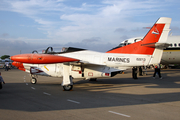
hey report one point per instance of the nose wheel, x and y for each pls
(33, 80)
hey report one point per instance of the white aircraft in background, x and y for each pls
(171, 54)
(80, 63)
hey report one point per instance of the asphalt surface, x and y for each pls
(115, 98)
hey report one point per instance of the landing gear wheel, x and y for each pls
(67, 87)
(33, 80)
(93, 79)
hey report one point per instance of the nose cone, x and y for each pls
(22, 58)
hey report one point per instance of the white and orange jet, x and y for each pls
(80, 63)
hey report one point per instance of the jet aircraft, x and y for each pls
(81, 63)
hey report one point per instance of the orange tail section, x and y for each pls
(152, 37)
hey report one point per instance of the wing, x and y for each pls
(41, 58)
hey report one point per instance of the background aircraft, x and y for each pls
(80, 63)
(170, 54)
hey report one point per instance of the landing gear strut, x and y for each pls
(67, 78)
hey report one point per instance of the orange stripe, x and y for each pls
(41, 58)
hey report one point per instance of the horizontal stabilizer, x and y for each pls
(157, 45)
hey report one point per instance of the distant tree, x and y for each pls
(4, 57)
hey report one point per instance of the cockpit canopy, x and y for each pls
(57, 50)
(129, 41)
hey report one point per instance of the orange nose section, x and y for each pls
(41, 58)
(22, 57)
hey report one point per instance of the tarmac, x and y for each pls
(120, 97)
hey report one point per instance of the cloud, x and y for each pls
(4, 35)
(175, 30)
(120, 30)
(92, 40)
(110, 21)
(10, 47)
(105, 20)
(103, 14)
(14, 47)
(100, 47)
(124, 37)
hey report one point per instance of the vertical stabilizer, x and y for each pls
(157, 34)
(157, 54)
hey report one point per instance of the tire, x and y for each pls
(33, 80)
(67, 87)
(93, 79)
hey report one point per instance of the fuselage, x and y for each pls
(171, 55)
(95, 64)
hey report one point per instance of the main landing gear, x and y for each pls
(67, 78)
(134, 73)
(67, 87)
(67, 83)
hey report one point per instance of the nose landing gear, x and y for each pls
(33, 79)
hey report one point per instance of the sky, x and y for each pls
(99, 25)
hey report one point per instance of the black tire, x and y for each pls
(33, 80)
(67, 87)
(93, 79)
